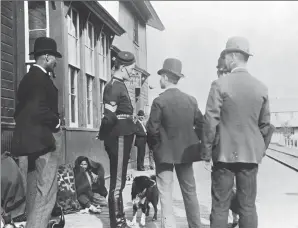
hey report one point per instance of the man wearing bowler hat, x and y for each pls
(171, 135)
(37, 133)
(117, 130)
(237, 103)
(141, 140)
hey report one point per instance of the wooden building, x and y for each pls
(8, 71)
(134, 16)
(84, 32)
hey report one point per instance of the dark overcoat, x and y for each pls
(36, 114)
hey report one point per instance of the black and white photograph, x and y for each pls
(149, 114)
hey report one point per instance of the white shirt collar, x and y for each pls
(171, 87)
(237, 68)
(40, 67)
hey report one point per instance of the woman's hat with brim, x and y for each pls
(45, 45)
(172, 66)
(125, 58)
(237, 44)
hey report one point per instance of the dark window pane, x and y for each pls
(74, 21)
(73, 115)
(88, 111)
(37, 15)
(33, 35)
(72, 81)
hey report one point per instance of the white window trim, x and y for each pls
(76, 123)
(103, 55)
(92, 48)
(26, 22)
(91, 111)
(78, 64)
(101, 89)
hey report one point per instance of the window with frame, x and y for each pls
(73, 28)
(73, 25)
(102, 84)
(89, 100)
(36, 18)
(136, 31)
(73, 95)
(89, 49)
(103, 50)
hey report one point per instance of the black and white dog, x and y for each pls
(143, 192)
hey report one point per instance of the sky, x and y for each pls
(197, 31)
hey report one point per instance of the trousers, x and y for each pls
(141, 146)
(42, 187)
(223, 175)
(118, 149)
(164, 179)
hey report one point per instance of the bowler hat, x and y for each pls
(237, 44)
(141, 113)
(125, 58)
(45, 45)
(173, 66)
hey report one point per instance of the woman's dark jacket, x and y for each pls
(81, 180)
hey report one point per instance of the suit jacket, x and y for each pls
(141, 135)
(171, 134)
(239, 104)
(36, 114)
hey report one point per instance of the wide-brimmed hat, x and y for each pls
(125, 58)
(237, 44)
(45, 45)
(173, 66)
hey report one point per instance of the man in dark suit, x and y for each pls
(141, 140)
(171, 135)
(37, 133)
(239, 104)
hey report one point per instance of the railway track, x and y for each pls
(284, 158)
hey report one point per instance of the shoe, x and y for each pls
(20, 218)
(121, 223)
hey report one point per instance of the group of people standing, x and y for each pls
(232, 135)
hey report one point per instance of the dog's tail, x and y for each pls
(153, 177)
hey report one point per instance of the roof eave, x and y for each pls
(105, 16)
(148, 14)
(154, 20)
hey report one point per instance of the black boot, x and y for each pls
(116, 211)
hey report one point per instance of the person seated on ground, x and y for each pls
(13, 194)
(90, 184)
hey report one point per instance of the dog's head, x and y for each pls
(139, 185)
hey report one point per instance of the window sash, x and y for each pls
(102, 84)
(29, 61)
(73, 37)
(102, 52)
(89, 49)
(136, 31)
(89, 100)
(73, 96)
